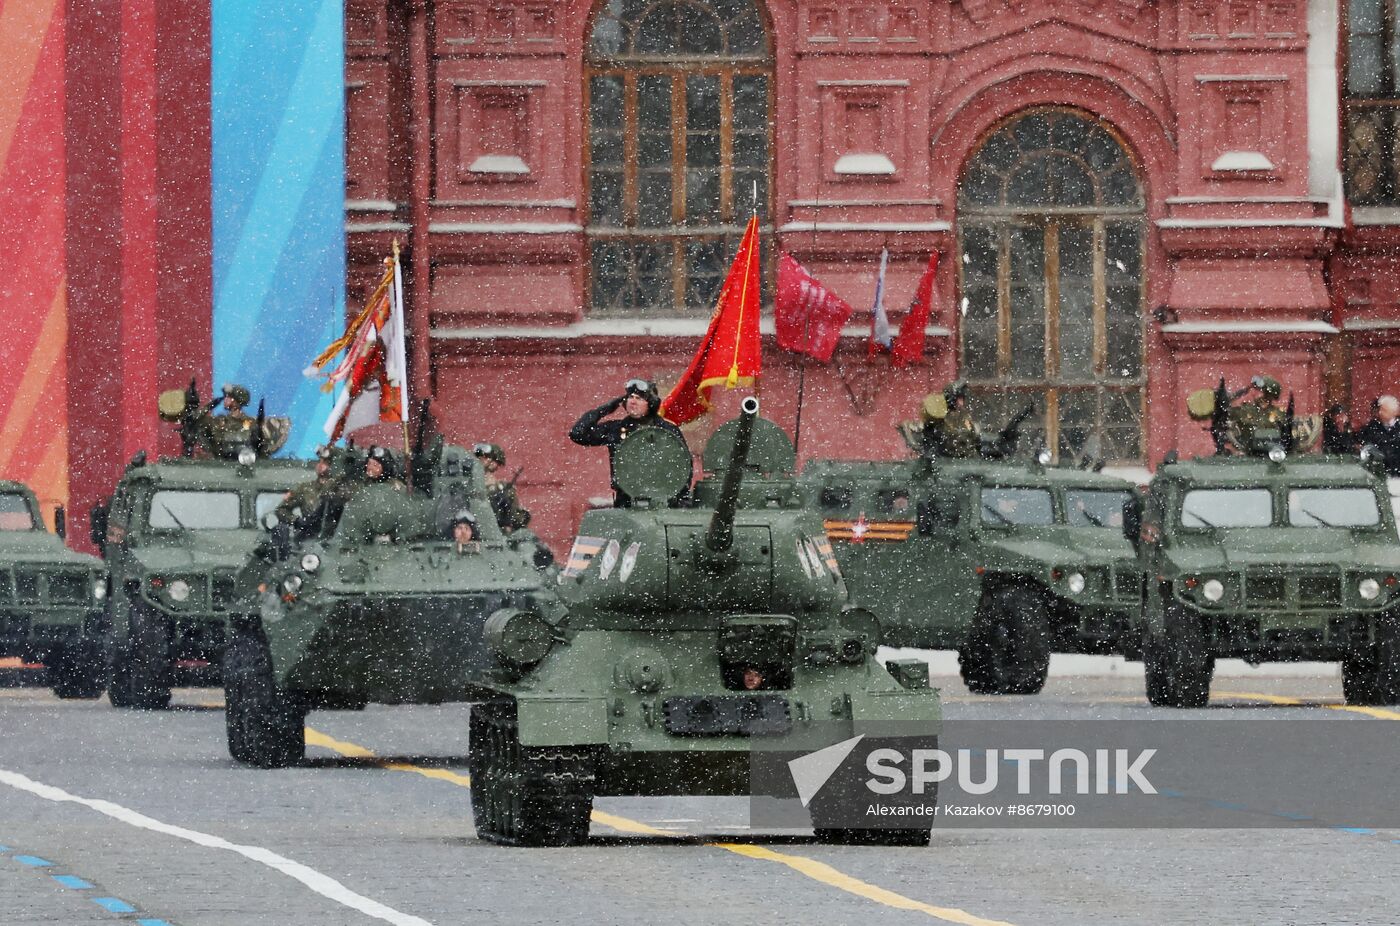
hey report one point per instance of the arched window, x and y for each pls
(678, 155)
(1373, 102)
(1051, 225)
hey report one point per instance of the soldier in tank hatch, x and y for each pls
(464, 535)
(505, 503)
(640, 403)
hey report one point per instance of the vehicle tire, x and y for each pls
(1359, 678)
(526, 795)
(266, 725)
(1008, 646)
(78, 671)
(1178, 661)
(141, 670)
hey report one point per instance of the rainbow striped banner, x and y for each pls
(34, 390)
(278, 113)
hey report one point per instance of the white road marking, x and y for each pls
(324, 885)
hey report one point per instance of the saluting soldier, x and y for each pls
(949, 430)
(505, 502)
(640, 403)
(1262, 413)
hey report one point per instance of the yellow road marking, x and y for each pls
(817, 871)
(1379, 713)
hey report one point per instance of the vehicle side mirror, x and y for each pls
(97, 525)
(60, 522)
(1132, 519)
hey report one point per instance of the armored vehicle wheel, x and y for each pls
(1008, 644)
(77, 671)
(1359, 682)
(266, 725)
(1178, 664)
(524, 795)
(141, 664)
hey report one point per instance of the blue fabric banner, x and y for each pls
(278, 201)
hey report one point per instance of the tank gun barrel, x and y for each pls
(720, 537)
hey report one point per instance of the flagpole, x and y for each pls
(403, 370)
(806, 346)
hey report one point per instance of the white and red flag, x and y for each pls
(808, 316)
(881, 336)
(373, 371)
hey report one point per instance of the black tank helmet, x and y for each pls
(386, 461)
(647, 390)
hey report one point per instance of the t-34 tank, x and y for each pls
(378, 601)
(696, 633)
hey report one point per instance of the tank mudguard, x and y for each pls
(548, 720)
(878, 712)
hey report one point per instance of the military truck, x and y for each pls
(1005, 561)
(174, 534)
(695, 631)
(1273, 559)
(372, 600)
(48, 595)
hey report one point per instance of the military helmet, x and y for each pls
(240, 394)
(647, 390)
(1267, 385)
(490, 452)
(385, 458)
(957, 389)
(934, 407)
(464, 516)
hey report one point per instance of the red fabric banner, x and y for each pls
(809, 317)
(730, 354)
(909, 343)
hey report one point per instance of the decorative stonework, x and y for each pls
(893, 23)
(983, 12)
(491, 26)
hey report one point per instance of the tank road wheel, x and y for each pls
(266, 725)
(78, 671)
(141, 663)
(1178, 662)
(526, 795)
(1008, 644)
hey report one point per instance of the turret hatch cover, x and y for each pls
(770, 450)
(652, 463)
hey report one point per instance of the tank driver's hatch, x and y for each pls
(770, 450)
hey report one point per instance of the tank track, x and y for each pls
(526, 795)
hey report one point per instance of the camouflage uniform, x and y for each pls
(1251, 420)
(505, 503)
(948, 429)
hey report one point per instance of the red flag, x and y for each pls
(809, 316)
(909, 344)
(730, 353)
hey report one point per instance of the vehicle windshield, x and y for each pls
(194, 510)
(1095, 507)
(1349, 507)
(14, 512)
(265, 502)
(1227, 508)
(1006, 506)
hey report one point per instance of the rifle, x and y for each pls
(1010, 435)
(189, 421)
(259, 442)
(1286, 439)
(1220, 419)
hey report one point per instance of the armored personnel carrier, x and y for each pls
(376, 602)
(48, 595)
(695, 632)
(173, 534)
(1273, 559)
(1003, 560)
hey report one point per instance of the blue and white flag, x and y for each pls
(881, 335)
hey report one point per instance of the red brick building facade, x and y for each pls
(1129, 197)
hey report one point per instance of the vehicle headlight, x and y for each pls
(179, 590)
(1277, 455)
(247, 456)
(1075, 582)
(311, 562)
(291, 585)
(1370, 589)
(1213, 590)
(99, 589)
(1043, 456)
(519, 638)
